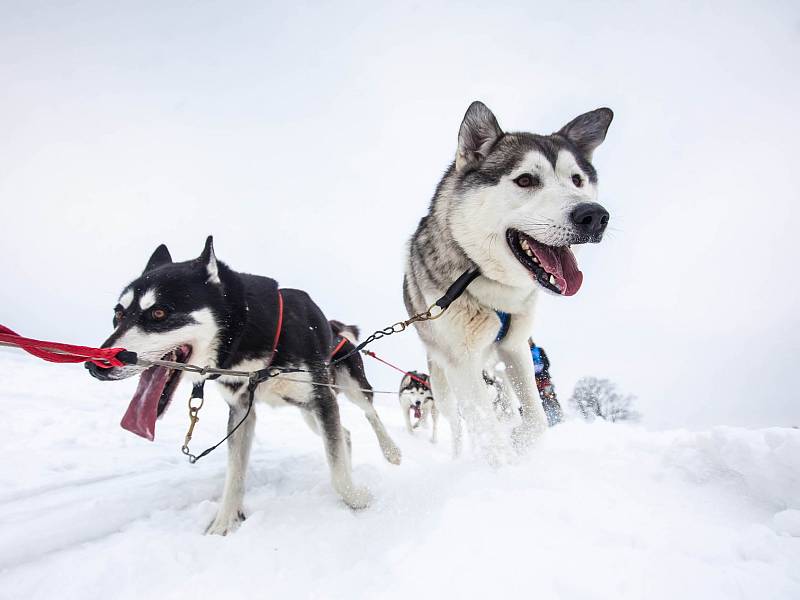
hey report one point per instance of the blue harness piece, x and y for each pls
(505, 323)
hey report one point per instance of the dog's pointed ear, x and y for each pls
(159, 257)
(479, 131)
(209, 261)
(588, 131)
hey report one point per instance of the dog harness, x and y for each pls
(505, 324)
(342, 341)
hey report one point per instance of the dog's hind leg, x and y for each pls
(405, 406)
(230, 512)
(334, 438)
(435, 419)
(446, 403)
(353, 381)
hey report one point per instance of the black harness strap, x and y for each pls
(458, 287)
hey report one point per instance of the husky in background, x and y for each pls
(512, 205)
(203, 311)
(416, 397)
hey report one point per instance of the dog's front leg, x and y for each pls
(406, 408)
(468, 385)
(521, 376)
(230, 513)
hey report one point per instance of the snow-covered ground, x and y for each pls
(87, 510)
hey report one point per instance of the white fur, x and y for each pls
(212, 269)
(201, 336)
(465, 335)
(481, 218)
(348, 334)
(126, 298)
(148, 299)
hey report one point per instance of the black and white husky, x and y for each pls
(203, 312)
(416, 399)
(511, 205)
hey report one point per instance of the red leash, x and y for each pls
(396, 368)
(104, 358)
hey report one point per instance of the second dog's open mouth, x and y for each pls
(153, 395)
(553, 267)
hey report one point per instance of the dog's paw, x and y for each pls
(357, 497)
(225, 524)
(393, 455)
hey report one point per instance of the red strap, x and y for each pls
(338, 347)
(278, 330)
(411, 375)
(63, 353)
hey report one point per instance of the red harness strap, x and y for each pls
(278, 330)
(338, 347)
(63, 353)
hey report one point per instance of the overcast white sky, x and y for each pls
(308, 139)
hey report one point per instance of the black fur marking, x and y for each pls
(511, 149)
(233, 386)
(160, 256)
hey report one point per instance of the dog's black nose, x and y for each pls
(590, 219)
(419, 402)
(97, 372)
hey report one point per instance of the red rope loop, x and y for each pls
(105, 358)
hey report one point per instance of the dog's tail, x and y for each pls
(349, 332)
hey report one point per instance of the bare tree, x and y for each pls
(594, 397)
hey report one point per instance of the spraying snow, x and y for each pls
(594, 511)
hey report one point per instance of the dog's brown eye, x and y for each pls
(118, 314)
(158, 314)
(577, 180)
(527, 180)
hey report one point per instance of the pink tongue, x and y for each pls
(561, 263)
(140, 418)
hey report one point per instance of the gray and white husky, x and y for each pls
(203, 311)
(511, 205)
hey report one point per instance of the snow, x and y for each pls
(594, 511)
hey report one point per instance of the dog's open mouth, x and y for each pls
(553, 267)
(153, 394)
